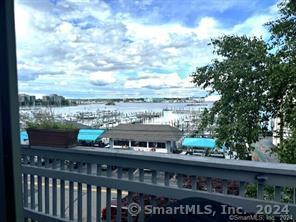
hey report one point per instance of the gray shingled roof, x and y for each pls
(144, 132)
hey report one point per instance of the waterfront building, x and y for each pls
(26, 100)
(56, 99)
(45, 100)
(275, 125)
(144, 137)
(23, 99)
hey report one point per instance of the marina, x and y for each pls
(181, 115)
(128, 126)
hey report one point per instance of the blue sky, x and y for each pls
(125, 48)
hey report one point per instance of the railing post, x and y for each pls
(79, 204)
(119, 196)
(242, 188)
(89, 195)
(54, 190)
(32, 185)
(277, 193)
(71, 194)
(46, 182)
(99, 208)
(39, 178)
(62, 196)
(130, 193)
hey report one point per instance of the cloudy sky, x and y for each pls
(125, 48)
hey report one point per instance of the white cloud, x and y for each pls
(158, 81)
(102, 78)
(207, 28)
(84, 45)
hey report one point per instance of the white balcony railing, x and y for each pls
(78, 183)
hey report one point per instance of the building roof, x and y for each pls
(144, 132)
(199, 143)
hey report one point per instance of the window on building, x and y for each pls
(139, 143)
(121, 143)
(156, 145)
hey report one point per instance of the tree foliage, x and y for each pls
(283, 64)
(256, 81)
(287, 149)
(239, 76)
(282, 80)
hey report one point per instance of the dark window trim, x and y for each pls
(11, 208)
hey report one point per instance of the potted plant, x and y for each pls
(45, 130)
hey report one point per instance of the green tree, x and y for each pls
(282, 79)
(239, 75)
(286, 151)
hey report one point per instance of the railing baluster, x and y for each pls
(130, 174)
(25, 182)
(179, 180)
(79, 193)
(119, 203)
(142, 215)
(154, 181)
(277, 193)
(25, 190)
(54, 190)
(39, 178)
(62, 194)
(130, 194)
(71, 195)
(260, 190)
(141, 179)
(224, 186)
(108, 196)
(89, 195)
(108, 204)
(141, 175)
(167, 179)
(294, 195)
(99, 207)
(32, 184)
(242, 188)
(119, 195)
(46, 186)
(194, 182)
(130, 200)
(209, 184)
(109, 171)
(154, 177)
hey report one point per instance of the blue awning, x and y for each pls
(24, 136)
(89, 135)
(202, 143)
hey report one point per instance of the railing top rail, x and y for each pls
(240, 165)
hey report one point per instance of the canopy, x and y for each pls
(202, 143)
(89, 135)
(23, 136)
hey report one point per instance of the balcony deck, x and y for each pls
(77, 183)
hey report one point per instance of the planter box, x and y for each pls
(53, 137)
